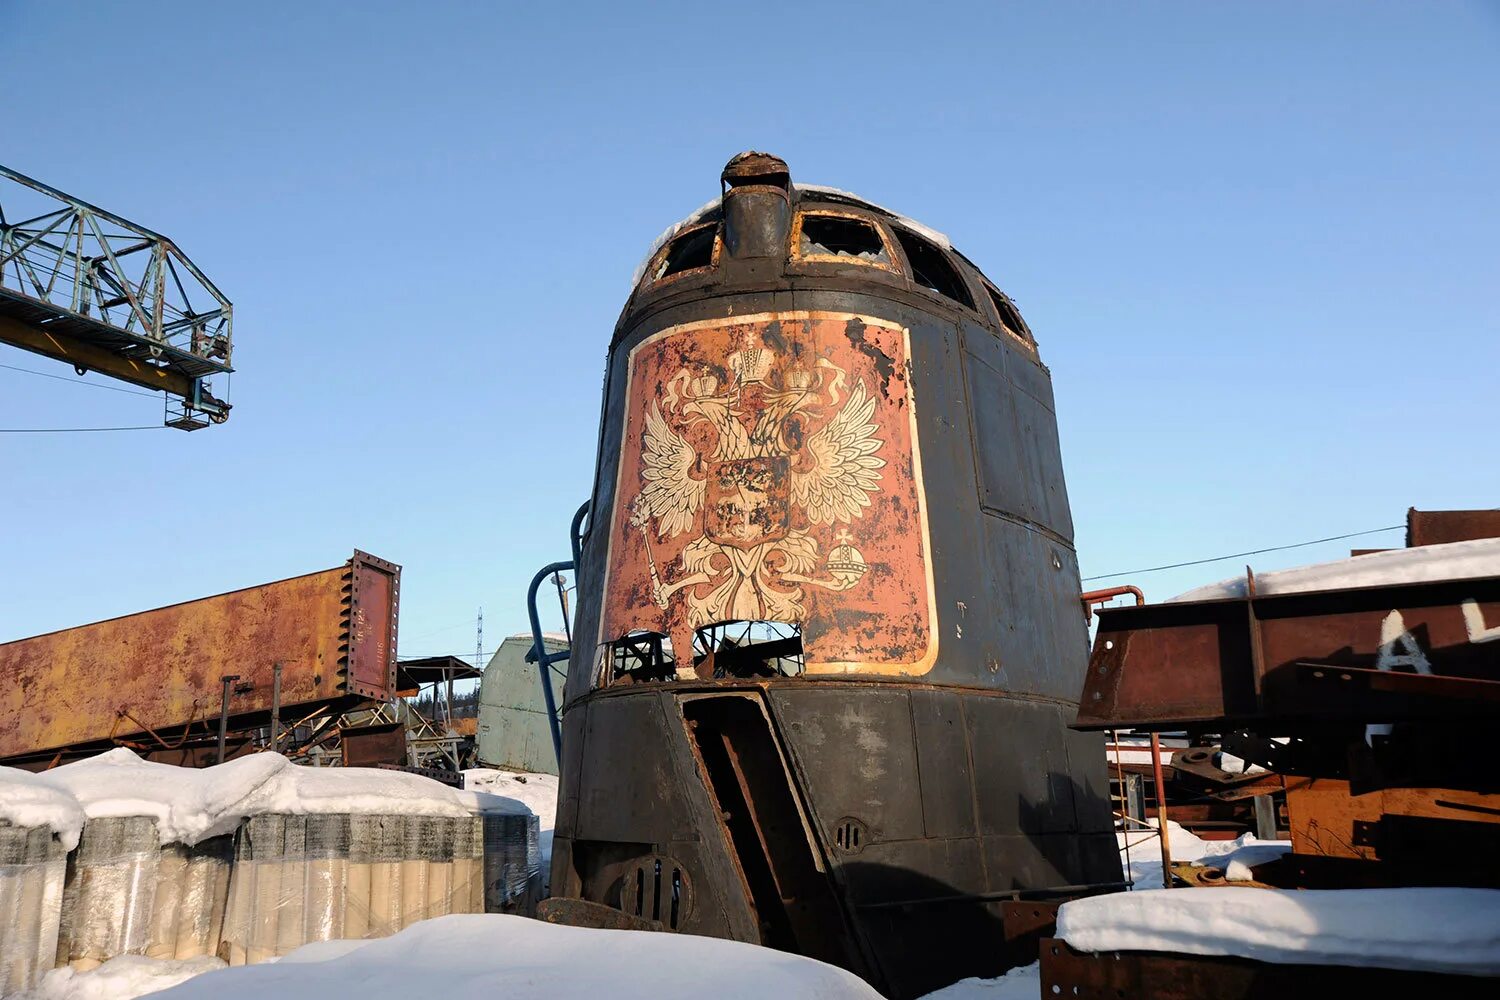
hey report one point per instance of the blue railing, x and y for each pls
(539, 654)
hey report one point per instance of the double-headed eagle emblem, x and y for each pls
(753, 458)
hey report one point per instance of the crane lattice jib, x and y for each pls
(85, 286)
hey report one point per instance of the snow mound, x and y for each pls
(121, 978)
(188, 804)
(192, 804)
(1426, 930)
(1423, 564)
(30, 800)
(484, 956)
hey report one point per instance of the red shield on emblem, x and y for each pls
(746, 502)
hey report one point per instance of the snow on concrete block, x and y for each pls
(31, 801)
(1426, 930)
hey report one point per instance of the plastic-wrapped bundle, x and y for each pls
(127, 894)
(326, 876)
(512, 863)
(32, 866)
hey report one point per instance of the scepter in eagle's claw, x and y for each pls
(658, 595)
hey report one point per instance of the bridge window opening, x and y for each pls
(690, 251)
(1010, 317)
(722, 651)
(931, 269)
(746, 649)
(638, 658)
(842, 237)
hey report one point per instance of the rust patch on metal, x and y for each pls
(771, 472)
(161, 669)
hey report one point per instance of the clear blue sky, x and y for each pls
(1257, 243)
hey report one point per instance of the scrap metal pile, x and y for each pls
(1362, 692)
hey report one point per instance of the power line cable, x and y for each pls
(78, 430)
(91, 385)
(1239, 555)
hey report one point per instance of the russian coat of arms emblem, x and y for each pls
(763, 457)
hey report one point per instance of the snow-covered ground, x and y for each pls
(1449, 930)
(485, 956)
(121, 978)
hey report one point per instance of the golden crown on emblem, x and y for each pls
(751, 364)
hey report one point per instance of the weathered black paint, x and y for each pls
(965, 784)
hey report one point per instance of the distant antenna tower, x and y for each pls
(479, 640)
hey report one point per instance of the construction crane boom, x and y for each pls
(89, 288)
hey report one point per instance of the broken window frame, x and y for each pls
(654, 277)
(890, 263)
(710, 639)
(902, 236)
(658, 665)
(1000, 304)
(608, 670)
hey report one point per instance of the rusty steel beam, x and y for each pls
(61, 346)
(1434, 527)
(144, 676)
(1409, 652)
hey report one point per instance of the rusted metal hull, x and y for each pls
(144, 676)
(953, 763)
(867, 466)
(877, 826)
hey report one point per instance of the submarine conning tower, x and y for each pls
(828, 639)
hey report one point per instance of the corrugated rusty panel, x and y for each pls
(333, 633)
(1435, 527)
